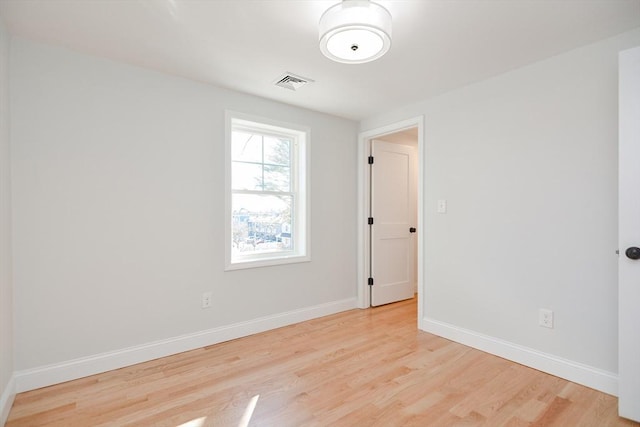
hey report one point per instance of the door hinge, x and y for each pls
(370, 220)
(370, 281)
(370, 160)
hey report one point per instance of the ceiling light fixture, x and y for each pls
(355, 31)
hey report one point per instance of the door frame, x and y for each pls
(364, 183)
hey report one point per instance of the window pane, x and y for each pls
(277, 178)
(266, 197)
(246, 176)
(261, 223)
(277, 151)
(246, 147)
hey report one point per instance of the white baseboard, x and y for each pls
(6, 400)
(606, 382)
(31, 379)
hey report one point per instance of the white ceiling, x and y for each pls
(245, 45)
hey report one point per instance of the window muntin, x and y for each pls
(267, 216)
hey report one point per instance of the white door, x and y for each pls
(392, 210)
(629, 236)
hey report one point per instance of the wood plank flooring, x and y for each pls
(357, 368)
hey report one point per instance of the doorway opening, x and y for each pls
(396, 238)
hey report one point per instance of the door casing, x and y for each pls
(364, 139)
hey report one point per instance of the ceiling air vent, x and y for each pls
(291, 81)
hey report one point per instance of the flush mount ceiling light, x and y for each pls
(355, 31)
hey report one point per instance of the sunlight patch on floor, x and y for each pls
(198, 422)
(248, 413)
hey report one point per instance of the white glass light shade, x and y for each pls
(355, 31)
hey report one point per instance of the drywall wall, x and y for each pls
(118, 184)
(6, 287)
(527, 162)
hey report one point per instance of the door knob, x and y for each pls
(412, 230)
(632, 253)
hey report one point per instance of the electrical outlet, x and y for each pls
(206, 299)
(442, 206)
(545, 318)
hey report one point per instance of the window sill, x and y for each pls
(266, 262)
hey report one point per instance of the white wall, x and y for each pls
(6, 287)
(528, 164)
(118, 183)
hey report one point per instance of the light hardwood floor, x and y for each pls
(357, 368)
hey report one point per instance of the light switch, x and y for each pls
(442, 206)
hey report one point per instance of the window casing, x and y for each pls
(266, 193)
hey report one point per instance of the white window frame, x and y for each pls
(300, 189)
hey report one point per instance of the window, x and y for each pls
(267, 215)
